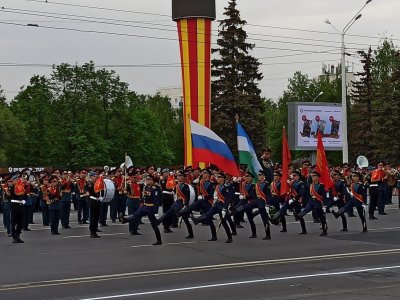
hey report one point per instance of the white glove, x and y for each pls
(101, 198)
(255, 210)
(324, 209)
(291, 201)
(351, 194)
(241, 197)
(364, 205)
(280, 205)
(23, 202)
(327, 195)
(215, 200)
(335, 199)
(196, 181)
(199, 197)
(223, 213)
(73, 193)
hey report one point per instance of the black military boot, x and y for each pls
(267, 233)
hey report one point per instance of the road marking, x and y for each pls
(87, 235)
(165, 244)
(234, 283)
(82, 280)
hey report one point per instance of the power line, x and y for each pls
(143, 36)
(169, 16)
(79, 18)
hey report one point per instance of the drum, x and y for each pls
(192, 194)
(109, 190)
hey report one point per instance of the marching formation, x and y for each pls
(217, 196)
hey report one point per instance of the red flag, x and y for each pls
(286, 158)
(322, 164)
(99, 185)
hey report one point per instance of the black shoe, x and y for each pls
(351, 215)
(335, 214)
(55, 233)
(98, 230)
(324, 233)
(382, 213)
(15, 241)
(189, 237)
(344, 229)
(135, 233)
(316, 221)
(113, 221)
(253, 236)
(94, 236)
(103, 225)
(303, 232)
(194, 220)
(276, 221)
(67, 227)
(238, 226)
(372, 217)
(228, 241)
(141, 223)
(19, 240)
(268, 237)
(284, 230)
(167, 230)
(213, 239)
(364, 230)
(157, 243)
(85, 222)
(234, 233)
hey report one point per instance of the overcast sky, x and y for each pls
(282, 51)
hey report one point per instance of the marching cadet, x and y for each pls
(94, 204)
(358, 198)
(83, 208)
(54, 196)
(294, 201)
(17, 194)
(5, 204)
(44, 200)
(315, 203)
(220, 206)
(262, 194)
(134, 199)
(167, 196)
(267, 164)
(277, 199)
(182, 198)
(66, 198)
(205, 198)
(151, 202)
(249, 198)
(337, 197)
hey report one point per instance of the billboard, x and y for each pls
(306, 119)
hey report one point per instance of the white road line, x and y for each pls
(244, 282)
(166, 244)
(87, 235)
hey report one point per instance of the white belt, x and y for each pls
(169, 193)
(94, 198)
(18, 201)
(375, 184)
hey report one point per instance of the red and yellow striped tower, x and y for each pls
(193, 18)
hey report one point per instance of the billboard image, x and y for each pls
(307, 119)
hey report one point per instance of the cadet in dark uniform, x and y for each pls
(167, 197)
(94, 205)
(151, 203)
(276, 199)
(6, 204)
(294, 202)
(267, 164)
(83, 208)
(182, 195)
(54, 196)
(220, 206)
(249, 198)
(44, 200)
(134, 201)
(315, 203)
(262, 193)
(18, 194)
(358, 198)
(337, 197)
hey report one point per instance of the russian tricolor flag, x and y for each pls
(210, 148)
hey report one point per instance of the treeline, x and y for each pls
(83, 116)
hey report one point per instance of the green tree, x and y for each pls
(235, 88)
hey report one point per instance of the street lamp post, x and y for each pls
(344, 89)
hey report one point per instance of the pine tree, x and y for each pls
(235, 85)
(360, 129)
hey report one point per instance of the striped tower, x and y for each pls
(193, 18)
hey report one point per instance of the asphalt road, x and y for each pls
(349, 265)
